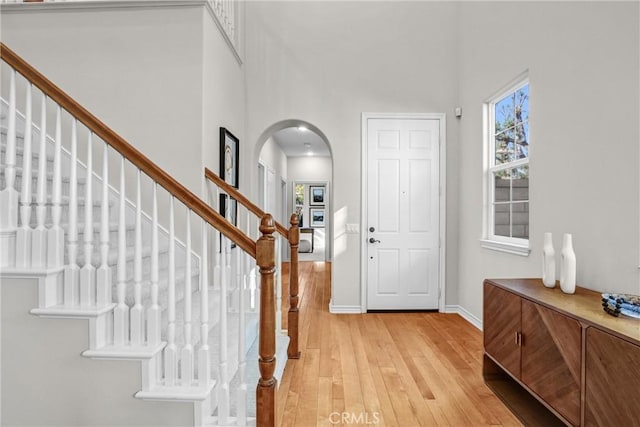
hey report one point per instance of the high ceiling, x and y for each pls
(300, 142)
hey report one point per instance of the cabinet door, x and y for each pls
(612, 381)
(551, 349)
(501, 325)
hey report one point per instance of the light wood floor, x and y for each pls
(396, 369)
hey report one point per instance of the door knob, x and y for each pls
(372, 229)
(372, 240)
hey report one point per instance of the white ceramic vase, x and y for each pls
(548, 262)
(567, 266)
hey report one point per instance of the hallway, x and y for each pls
(359, 370)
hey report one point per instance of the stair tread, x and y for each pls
(177, 392)
(126, 352)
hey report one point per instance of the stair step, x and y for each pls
(75, 312)
(177, 393)
(125, 352)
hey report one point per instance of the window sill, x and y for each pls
(509, 248)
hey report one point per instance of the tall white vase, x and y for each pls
(548, 262)
(567, 266)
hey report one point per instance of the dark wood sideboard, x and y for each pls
(559, 359)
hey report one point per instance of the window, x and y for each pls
(507, 169)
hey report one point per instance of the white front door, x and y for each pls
(403, 214)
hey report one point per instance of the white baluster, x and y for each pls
(87, 272)
(23, 234)
(121, 313)
(9, 195)
(137, 311)
(204, 369)
(170, 351)
(242, 350)
(55, 235)
(186, 359)
(278, 289)
(103, 277)
(217, 243)
(71, 270)
(223, 375)
(153, 314)
(39, 239)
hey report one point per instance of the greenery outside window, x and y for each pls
(507, 169)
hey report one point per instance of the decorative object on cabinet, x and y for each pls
(615, 304)
(548, 262)
(229, 156)
(567, 266)
(545, 349)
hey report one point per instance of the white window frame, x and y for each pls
(490, 240)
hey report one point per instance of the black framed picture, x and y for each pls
(229, 156)
(316, 216)
(229, 208)
(316, 195)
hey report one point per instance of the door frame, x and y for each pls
(364, 220)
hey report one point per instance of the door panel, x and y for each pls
(551, 358)
(612, 378)
(388, 183)
(501, 323)
(403, 209)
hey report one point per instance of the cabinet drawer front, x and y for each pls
(551, 365)
(501, 324)
(612, 381)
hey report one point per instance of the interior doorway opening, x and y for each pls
(295, 173)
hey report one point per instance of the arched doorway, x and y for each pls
(294, 165)
(295, 154)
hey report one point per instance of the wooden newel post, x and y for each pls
(293, 315)
(266, 390)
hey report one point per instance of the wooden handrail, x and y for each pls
(243, 200)
(134, 156)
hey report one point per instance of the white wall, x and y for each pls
(326, 63)
(583, 67)
(161, 76)
(46, 381)
(274, 159)
(223, 92)
(137, 70)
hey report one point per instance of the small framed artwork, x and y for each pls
(316, 216)
(300, 218)
(229, 154)
(229, 208)
(316, 195)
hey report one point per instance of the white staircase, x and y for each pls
(182, 310)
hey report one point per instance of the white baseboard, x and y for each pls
(465, 314)
(344, 309)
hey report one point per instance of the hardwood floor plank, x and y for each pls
(383, 369)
